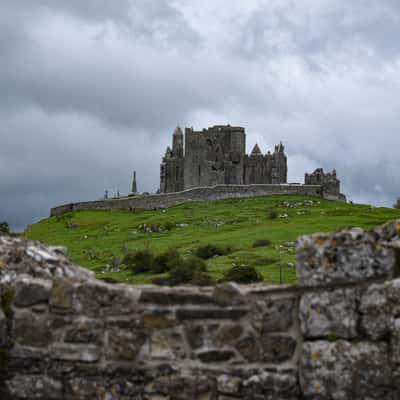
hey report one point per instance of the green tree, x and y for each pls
(4, 228)
(397, 205)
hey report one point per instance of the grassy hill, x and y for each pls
(97, 238)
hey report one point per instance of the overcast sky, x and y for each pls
(92, 89)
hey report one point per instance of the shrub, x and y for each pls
(262, 243)
(139, 261)
(168, 226)
(4, 228)
(211, 250)
(184, 270)
(273, 214)
(201, 278)
(242, 274)
(163, 262)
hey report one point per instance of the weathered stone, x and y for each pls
(62, 295)
(249, 348)
(345, 370)
(277, 348)
(271, 385)
(273, 314)
(376, 310)
(195, 335)
(229, 384)
(124, 345)
(214, 355)
(350, 255)
(227, 335)
(227, 294)
(167, 344)
(157, 320)
(98, 298)
(34, 387)
(211, 313)
(30, 330)
(22, 256)
(329, 313)
(85, 330)
(164, 297)
(30, 291)
(72, 352)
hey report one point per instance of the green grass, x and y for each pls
(100, 236)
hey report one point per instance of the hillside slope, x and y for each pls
(96, 239)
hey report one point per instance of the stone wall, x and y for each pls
(166, 200)
(334, 336)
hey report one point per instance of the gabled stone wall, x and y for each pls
(336, 335)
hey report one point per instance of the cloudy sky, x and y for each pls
(90, 90)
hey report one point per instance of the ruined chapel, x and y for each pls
(215, 156)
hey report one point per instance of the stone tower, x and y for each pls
(216, 156)
(134, 184)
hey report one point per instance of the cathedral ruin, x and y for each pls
(216, 156)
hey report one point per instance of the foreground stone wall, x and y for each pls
(334, 336)
(166, 200)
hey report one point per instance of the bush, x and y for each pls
(273, 214)
(168, 226)
(262, 243)
(4, 228)
(242, 274)
(187, 271)
(211, 250)
(163, 262)
(139, 261)
(201, 278)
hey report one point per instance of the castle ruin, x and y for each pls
(217, 156)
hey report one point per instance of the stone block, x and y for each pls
(31, 291)
(274, 314)
(167, 297)
(62, 296)
(277, 348)
(282, 385)
(376, 310)
(71, 352)
(195, 335)
(34, 387)
(167, 344)
(124, 344)
(227, 334)
(215, 355)
(157, 319)
(329, 313)
(227, 294)
(351, 255)
(345, 370)
(85, 330)
(97, 298)
(29, 329)
(249, 347)
(211, 313)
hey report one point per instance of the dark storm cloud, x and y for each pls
(91, 89)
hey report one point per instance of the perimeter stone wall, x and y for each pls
(166, 200)
(334, 336)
